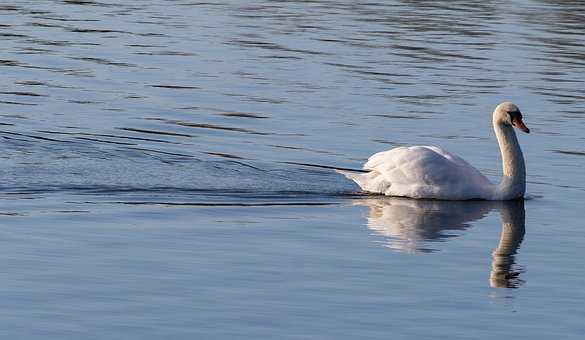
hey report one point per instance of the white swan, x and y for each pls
(431, 172)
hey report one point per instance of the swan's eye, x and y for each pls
(515, 115)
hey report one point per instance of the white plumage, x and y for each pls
(421, 172)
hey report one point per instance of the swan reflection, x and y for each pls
(409, 225)
(504, 272)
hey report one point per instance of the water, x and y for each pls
(149, 186)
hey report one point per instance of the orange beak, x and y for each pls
(518, 123)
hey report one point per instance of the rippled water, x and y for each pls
(153, 186)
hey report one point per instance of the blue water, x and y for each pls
(151, 185)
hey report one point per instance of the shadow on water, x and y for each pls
(414, 225)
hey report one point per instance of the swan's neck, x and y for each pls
(513, 184)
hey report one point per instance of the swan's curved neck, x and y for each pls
(513, 184)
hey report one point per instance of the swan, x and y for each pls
(431, 172)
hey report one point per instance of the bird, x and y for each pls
(430, 172)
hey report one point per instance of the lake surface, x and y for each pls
(152, 187)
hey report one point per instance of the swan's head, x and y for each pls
(508, 114)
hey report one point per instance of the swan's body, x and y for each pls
(422, 172)
(431, 172)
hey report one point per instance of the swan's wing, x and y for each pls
(422, 172)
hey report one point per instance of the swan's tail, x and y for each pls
(371, 181)
(361, 178)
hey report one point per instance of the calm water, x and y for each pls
(150, 188)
